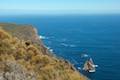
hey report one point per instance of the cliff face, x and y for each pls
(25, 32)
(24, 57)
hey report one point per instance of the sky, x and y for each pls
(60, 6)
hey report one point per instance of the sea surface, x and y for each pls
(78, 37)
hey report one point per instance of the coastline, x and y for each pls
(22, 31)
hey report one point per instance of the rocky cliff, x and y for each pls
(24, 57)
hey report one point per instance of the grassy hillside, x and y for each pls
(22, 58)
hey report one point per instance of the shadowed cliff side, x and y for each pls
(22, 57)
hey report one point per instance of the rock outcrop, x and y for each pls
(24, 57)
(11, 70)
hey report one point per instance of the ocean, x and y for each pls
(78, 37)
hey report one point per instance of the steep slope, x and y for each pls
(22, 57)
(25, 32)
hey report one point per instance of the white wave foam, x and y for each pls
(68, 45)
(96, 65)
(85, 55)
(48, 48)
(79, 68)
(43, 37)
(51, 50)
(63, 44)
(72, 45)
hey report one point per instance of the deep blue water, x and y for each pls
(71, 36)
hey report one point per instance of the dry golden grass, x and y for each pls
(45, 67)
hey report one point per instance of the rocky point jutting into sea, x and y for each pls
(23, 56)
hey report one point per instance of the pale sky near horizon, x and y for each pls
(60, 6)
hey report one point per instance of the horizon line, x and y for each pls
(53, 12)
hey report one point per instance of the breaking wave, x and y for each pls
(68, 45)
(79, 68)
(84, 55)
(50, 49)
(63, 44)
(43, 37)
